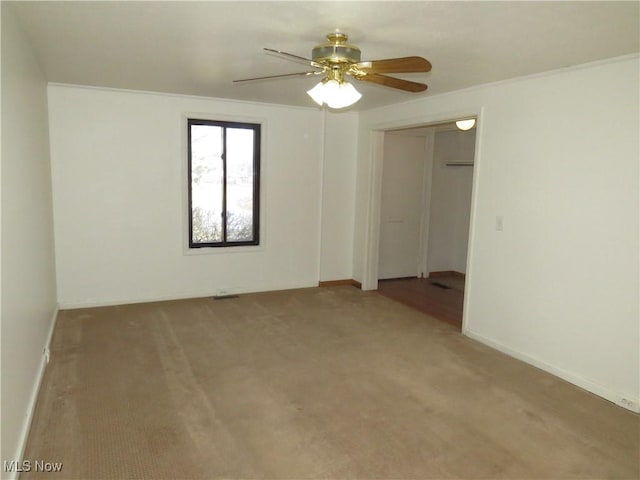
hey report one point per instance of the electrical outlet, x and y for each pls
(627, 403)
(47, 355)
(499, 223)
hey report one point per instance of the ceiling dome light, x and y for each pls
(466, 124)
(334, 93)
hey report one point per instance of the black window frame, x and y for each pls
(256, 127)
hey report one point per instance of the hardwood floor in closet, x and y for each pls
(429, 295)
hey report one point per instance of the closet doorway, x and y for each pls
(427, 176)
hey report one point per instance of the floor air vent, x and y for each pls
(441, 285)
(224, 297)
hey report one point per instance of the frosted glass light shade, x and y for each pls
(334, 94)
(343, 96)
(317, 93)
(466, 124)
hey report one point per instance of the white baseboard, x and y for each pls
(31, 406)
(90, 303)
(621, 399)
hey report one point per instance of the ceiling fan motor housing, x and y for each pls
(336, 51)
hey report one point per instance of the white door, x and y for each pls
(401, 205)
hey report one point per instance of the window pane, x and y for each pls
(206, 183)
(239, 185)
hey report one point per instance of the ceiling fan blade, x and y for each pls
(298, 74)
(396, 65)
(393, 82)
(295, 58)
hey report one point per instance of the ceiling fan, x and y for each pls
(337, 60)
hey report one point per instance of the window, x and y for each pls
(224, 183)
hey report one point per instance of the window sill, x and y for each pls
(222, 250)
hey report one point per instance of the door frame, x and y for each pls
(425, 218)
(376, 154)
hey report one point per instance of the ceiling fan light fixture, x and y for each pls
(467, 124)
(337, 60)
(335, 94)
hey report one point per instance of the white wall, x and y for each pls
(338, 194)
(402, 205)
(450, 201)
(28, 278)
(118, 166)
(558, 159)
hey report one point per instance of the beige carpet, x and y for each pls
(329, 383)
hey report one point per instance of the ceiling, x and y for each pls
(197, 48)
